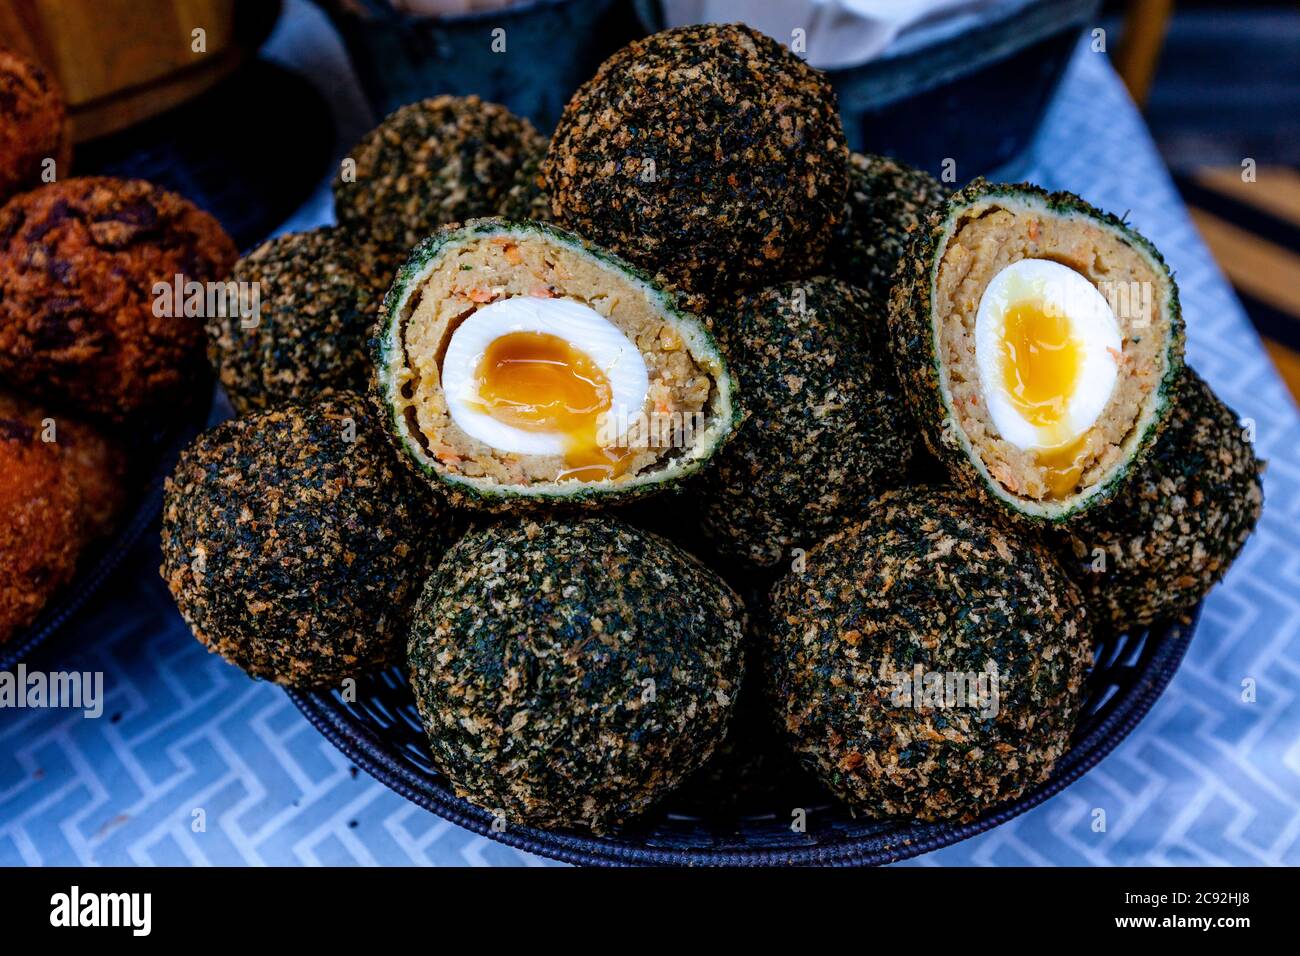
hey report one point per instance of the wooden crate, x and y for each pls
(123, 61)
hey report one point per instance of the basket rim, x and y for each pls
(367, 750)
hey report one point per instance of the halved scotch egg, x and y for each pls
(1038, 341)
(519, 365)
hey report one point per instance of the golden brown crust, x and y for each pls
(96, 462)
(33, 128)
(40, 525)
(78, 264)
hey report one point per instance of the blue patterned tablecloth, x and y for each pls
(1206, 779)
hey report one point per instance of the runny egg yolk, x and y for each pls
(1048, 349)
(539, 382)
(1041, 362)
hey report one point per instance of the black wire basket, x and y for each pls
(382, 734)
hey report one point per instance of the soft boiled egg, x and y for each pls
(538, 376)
(1048, 349)
(1047, 346)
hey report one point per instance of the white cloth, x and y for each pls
(838, 33)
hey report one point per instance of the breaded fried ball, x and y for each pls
(887, 202)
(96, 462)
(825, 433)
(928, 662)
(295, 544)
(79, 322)
(32, 124)
(320, 293)
(527, 197)
(708, 153)
(1173, 535)
(441, 160)
(572, 672)
(40, 525)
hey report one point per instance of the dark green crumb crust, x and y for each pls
(296, 553)
(527, 197)
(571, 672)
(927, 580)
(749, 159)
(438, 161)
(918, 364)
(887, 201)
(825, 431)
(320, 293)
(752, 771)
(1177, 528)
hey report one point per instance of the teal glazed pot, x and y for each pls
(551, 48)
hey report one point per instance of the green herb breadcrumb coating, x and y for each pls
(707, 153)
(295, 546)
(571, 672)
(826, 431)
(527, 197)
(441, 160)
(470, 480)
(887, 201)
(929, 581)
(752, 771)
(931, 318)
(320, 293)
(1177, 529)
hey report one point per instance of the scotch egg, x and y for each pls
(1038, 341)
(521, 366)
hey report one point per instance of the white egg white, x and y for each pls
(1093, 327)
(585, 329)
